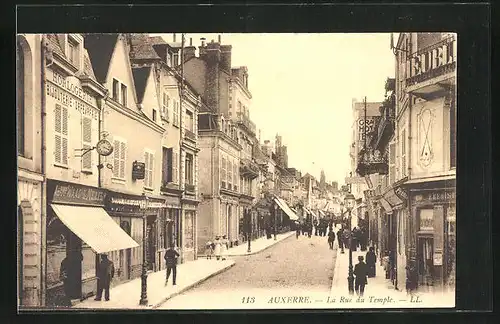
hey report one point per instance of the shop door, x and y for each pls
(74, 254)
(425, 265)
(125, 255)
(151, 239)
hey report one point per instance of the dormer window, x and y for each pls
(74, 50)
(119, 92)
(124, 95)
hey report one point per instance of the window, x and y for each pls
(176, 59)
(61, 135)
(166, 171)
(176, 113)
(175, 167)
(149, 159)
(189, 121)
(124, 95)
(20, 100)
(403, 153)
(154, 114)
(116, 89)
(240, 111)
(229, 174)
(453, 133)
(73, 52)
(165, 104)
(86, 144)
(236, 176)
(119, 158)
(189, 169)
(392, 166)
(223, 173)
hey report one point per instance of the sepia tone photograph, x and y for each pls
(207, 171)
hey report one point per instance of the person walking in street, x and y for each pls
(224, 247)
(330, 226)
(67, 274)
(371, 260)
(331, 239)
(315, 224)
(218, 247)
(361, 272)
(340, 238)
(297, 229)
(105, 273)
(171, 256)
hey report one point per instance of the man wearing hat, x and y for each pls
(361, 273)
(105, 272)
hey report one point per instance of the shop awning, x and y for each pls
(386, 206)
(286, 209)
(95, 227)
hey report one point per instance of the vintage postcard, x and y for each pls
(236, 171)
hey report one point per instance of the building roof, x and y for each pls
(141, 75)
(141, 46)
(54, 45)
(100, 48)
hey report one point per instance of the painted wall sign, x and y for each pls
(64, 192)
(138, 170)
(436, 196)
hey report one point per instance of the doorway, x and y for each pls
(125, 255)
(425, 264)
(151, 242)
(75, 257)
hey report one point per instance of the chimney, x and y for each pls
(226, 57)
(220, 39)
(202, 47)
(212, 56)
(174, 37)
(189, 52)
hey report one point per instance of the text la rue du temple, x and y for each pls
(329, 299)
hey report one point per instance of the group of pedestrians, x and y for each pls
(217, 248)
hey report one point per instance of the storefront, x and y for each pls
(245, 204)
(189, 242)
(229, 206)
(162, 221)
(433, 213)
(78, 229)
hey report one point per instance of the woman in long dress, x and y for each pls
(218, 244)
(224, 247)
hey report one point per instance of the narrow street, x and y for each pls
(292, 267)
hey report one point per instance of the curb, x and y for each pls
(335, 270)
(158, 304)
(267, 247)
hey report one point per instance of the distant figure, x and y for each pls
(340, 238)
(171, 256)
(371, 260)
(361, 272)
(105, 272)
(331, 239)
(209, 249)
(224, 247)
(218, 247)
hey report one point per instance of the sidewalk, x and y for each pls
(127, 295)
(379, 292)
(258, 245)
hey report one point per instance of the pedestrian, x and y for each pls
(218, 247)
(315, 224)
(361, 272)
(105, 273)
(411, 280)
(297, 229)
(309, 230)
(171, 256)
(330, 227)
(331, 239)
(340, 237)
(371, 260)
(224, 247)
(209, 249)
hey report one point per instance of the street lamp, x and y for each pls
(144, 204)
(349, 205)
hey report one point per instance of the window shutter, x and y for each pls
(123, 157)
(170, 170)
(164, 169)
(116, 159)
(175, 167)
(146, 169)
(151, 168)
(57, 130)
(87, 143)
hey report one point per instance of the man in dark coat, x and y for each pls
(105, 272)
(361, 272)
(331, 239)
(340, 238)
(171, 256)
(371, 260)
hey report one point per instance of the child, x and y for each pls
(209, 249)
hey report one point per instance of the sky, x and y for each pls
(302, 88)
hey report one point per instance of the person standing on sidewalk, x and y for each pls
(361, 272)
(105, 273)
(371, 260)
(218, 247)
(171, 256)
(224, 247)
(340, 238)
(331, 239)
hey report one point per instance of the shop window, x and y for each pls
(189, 230)
(57, 234)
(61, 135)
(87, 144)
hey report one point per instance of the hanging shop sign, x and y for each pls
(72, 193)
(138, 170)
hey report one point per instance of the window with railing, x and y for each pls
(189, 169)
(223, 173)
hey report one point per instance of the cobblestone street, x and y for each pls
(292, 267)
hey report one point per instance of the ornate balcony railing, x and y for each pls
(386, 124)
(372, 161)
(249, 168)
(247, 123)
(189, 135)
(432, 61)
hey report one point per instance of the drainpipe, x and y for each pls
(101, 103)
(181, 92)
